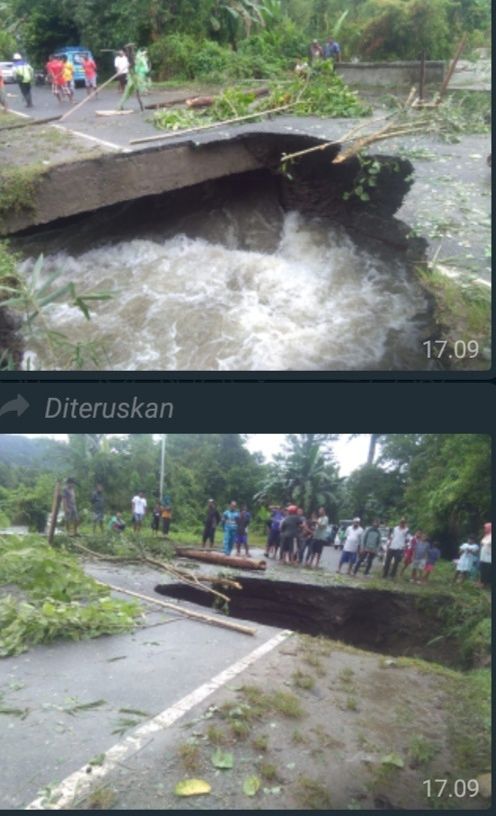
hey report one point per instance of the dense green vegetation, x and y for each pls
(241, 38)
(441, 482)
(57, 600)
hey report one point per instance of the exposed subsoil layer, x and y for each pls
(387, 622)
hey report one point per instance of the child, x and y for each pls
(89, 68)
(433, 556)
(68, 77)
(468, 551)
(422, 546)
(116, 523)
(410, 550)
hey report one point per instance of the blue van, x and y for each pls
(75, 54)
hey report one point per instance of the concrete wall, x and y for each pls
(391, 74)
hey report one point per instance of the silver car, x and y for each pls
(7, 69)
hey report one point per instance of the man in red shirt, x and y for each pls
(89, 69)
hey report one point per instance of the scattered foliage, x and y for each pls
(63, 601)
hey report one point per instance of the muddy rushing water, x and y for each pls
(239, 289)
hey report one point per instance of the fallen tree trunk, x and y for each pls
(206, 101)
(219, 558)
(188, 613)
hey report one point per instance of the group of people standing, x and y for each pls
(363, 546)
(294, 538)
(161, 514)
(60, 73)
(330, 50)
(474, 560)
(234, 523)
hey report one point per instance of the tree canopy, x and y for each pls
(263, 30)
(440, 482)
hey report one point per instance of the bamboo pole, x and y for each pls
(57, 497)
(177, 574)
(189, 581)
(87, 98)
(458, 53)
(188, 613)
(422, 76)
(177, 133)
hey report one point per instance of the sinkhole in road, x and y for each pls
(251, 272)
(389, 622)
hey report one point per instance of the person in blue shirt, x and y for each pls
(230, 519)
(274, 532)
(433, 556)
(332, 50)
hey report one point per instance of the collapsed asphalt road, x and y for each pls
(144, 672)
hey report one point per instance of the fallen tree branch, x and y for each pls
(188, 613)
(178, 575)
(177, 133)
(207, 101)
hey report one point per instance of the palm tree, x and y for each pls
(305, 473)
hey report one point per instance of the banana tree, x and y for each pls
(237, 16)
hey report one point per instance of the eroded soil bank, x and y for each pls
(388, 622)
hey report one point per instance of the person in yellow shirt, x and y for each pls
(68, 76)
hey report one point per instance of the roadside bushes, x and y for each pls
(264, 55)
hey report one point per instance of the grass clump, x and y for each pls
(216, 736)
(101, 799)
(462, 308)
(422, 751)
(260, 703)
(260, 743)
(302, 680)
(268, 771)
(189, 754)
(351, 703)
(286, 704)
(240, 729)
(297, 738)
(312, 794)
(18, 189)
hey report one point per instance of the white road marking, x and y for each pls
(18, 113)
(91, 138)
(80, 781)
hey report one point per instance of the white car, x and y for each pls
(7, 69)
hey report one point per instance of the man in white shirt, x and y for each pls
(138, 507)
(396, 547)
(121, 64)
(351, 546)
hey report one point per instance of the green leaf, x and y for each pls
(393, 759)
(97, 760)
(222, 759)
(251, 785)
(192, 787)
